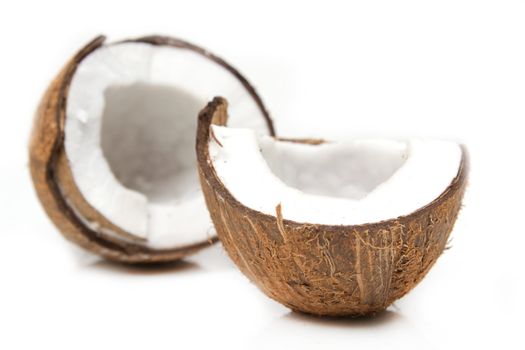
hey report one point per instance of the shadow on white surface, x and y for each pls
(213, 258)
(295, 329)
(377, 320)
(150, 269)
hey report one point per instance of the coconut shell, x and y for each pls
(54, 182)
(322, 269)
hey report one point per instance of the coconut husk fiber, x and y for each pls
(321, 269)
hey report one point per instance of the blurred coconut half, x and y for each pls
(112, 152)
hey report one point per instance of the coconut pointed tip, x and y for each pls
(99, 39)
(215, 112)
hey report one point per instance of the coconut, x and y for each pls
(112, 152)
(329, 228)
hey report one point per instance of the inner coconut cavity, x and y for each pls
(130, 137)
(334, 183)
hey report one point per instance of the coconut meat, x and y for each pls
(130, 126)
(335, 183)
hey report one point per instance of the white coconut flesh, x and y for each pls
(130, 126)
(337, 183)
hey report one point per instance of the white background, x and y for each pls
(446, 69)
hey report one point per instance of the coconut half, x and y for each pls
(329, 228)
(112, 152)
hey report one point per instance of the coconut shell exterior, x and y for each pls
(54, 182)
(320, 269)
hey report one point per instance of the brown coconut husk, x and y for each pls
(322, 269)
(54, 182)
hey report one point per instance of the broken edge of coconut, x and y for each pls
(55, 185)
(327, 270)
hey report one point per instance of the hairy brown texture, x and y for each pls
(54, 182)
(326, 269)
